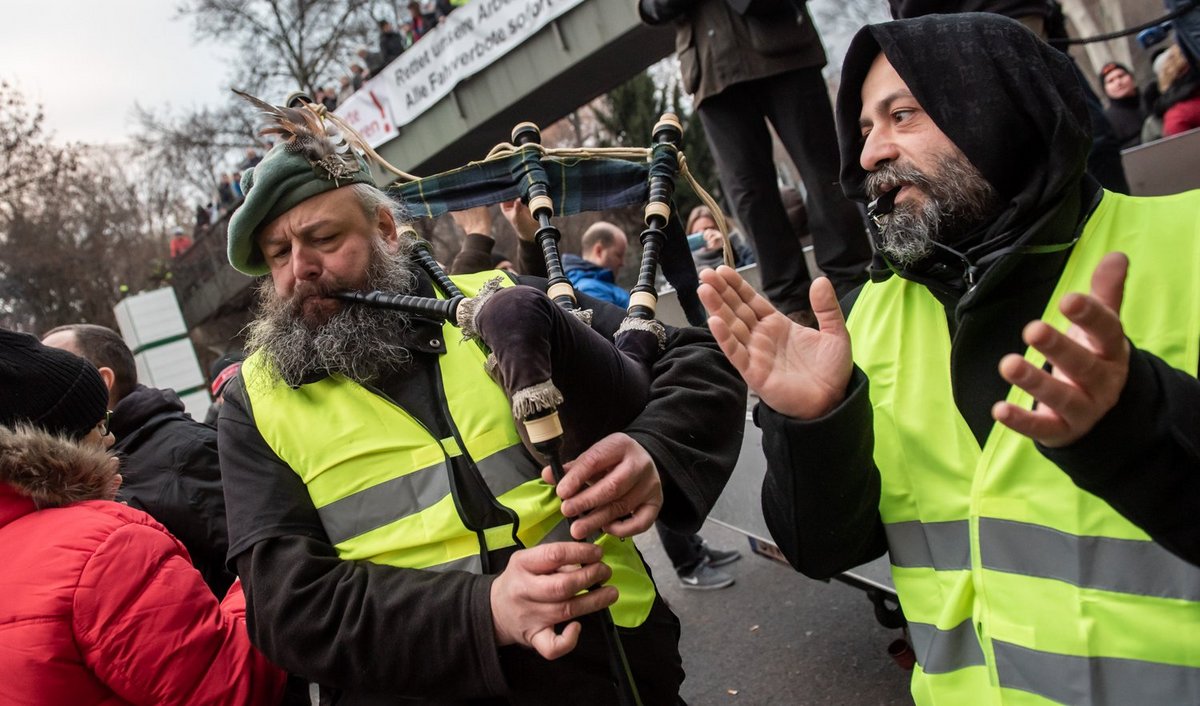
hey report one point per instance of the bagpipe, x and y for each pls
(516, 324)
(541, 344)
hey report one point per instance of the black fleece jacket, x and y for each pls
(821, 493)
(170, 470)
(382, 634)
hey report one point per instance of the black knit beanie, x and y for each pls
(1109, 68)
(49, 388)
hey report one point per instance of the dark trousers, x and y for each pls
(797, 106)
(685, 551)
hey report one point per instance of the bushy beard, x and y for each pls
(359, 342)
(957, 199)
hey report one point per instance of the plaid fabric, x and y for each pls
(576, 186)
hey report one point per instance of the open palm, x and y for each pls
(798, 371)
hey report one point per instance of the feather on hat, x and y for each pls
(312, 157)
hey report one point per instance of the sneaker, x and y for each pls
(706, 578)
(720, 557)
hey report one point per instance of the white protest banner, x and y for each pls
(467, 40)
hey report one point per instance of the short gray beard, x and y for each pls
(957, 200)
(359, 342)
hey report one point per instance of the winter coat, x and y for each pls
(391, 45)
(171, 471)
(1142, 458)
(101, 603)
(594, 280)
(363, 621)
(1127, 116)
(1182, 116)
(719, 48)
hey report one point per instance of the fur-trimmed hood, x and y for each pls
(54, 471)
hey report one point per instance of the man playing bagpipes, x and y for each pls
(395, 538)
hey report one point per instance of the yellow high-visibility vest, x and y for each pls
(382, 483)
(1019, 587)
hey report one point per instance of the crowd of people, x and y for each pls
(423, 16)
(1167, 105)
(996, 386)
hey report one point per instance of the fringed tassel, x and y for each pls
(491, 366)
(535, 398)
(470, 308)
(650, 325)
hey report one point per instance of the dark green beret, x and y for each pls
(280, 182)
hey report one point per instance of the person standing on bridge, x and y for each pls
(747, 63)
(1037, 514)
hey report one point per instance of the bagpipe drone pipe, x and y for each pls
(542, 347)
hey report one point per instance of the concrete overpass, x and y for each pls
(585, 53)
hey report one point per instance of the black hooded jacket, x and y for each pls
(1015, 108)
(1127, 116)
(170, 470)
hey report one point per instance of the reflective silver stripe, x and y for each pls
(945, 546)
(939, 651)
(1095, 680)
(559, 533)
(506, 469)
(471, 564)
(1123, 565)
(374, 507)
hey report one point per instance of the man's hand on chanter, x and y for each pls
(798, 371)
(1090, 363)
(541, 587)
(613, 486)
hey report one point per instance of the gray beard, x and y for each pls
(359, 342)
(957, 200)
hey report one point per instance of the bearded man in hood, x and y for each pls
(1017, 421)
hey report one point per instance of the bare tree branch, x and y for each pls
(287, 45)
(71, 237)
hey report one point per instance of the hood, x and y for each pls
(53, 471)
(139, 406)
(1010, 102)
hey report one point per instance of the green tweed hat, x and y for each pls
(310, 160)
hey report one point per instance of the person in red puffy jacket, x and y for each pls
(101, 604)
(1179, 102)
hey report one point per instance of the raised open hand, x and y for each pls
(798, 371)
(519, 217)
(1090, 363)
(474, 220)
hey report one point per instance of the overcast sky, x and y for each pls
(88, 61)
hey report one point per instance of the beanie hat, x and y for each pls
(312, 158)
(279, 183)
(1111, 67)
(49, 388)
